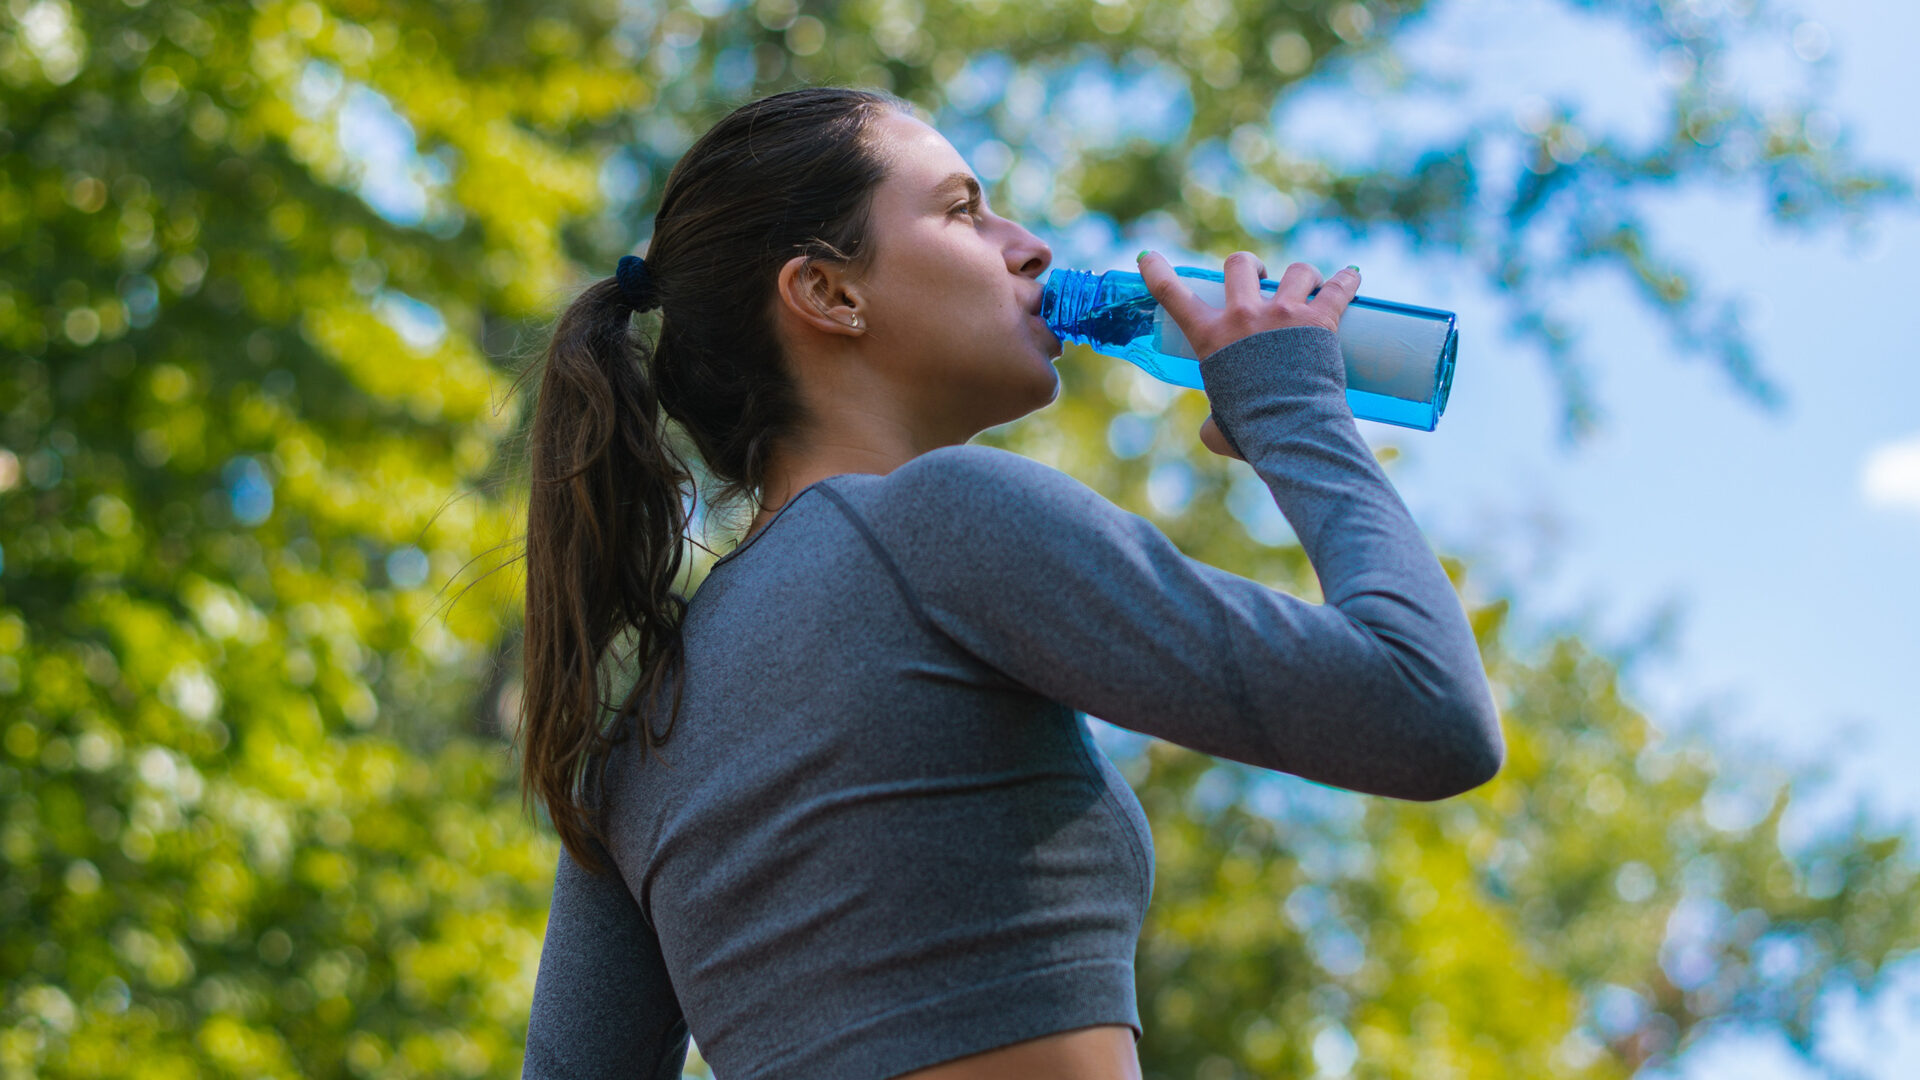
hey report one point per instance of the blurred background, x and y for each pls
(270, 270)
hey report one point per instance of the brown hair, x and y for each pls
(789, 174)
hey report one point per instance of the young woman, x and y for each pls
(849, 823)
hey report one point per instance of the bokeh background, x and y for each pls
(270, 269)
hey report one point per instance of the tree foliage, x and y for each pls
(268, 270)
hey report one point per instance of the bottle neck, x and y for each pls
(1065, 301)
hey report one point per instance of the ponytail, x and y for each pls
(605, 518)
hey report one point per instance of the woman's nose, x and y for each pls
(1031, 256)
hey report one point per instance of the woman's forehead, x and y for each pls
(920, 159)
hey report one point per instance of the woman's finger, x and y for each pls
(1338, 292)
(1298, 283)
(1243, 272)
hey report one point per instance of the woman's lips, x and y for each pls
(1057, 347)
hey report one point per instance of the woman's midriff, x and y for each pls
(1101, 1052)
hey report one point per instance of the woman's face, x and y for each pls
(951, 300)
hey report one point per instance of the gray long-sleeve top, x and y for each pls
(882, 837)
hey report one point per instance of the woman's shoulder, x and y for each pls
(967, 481)
(954, 500)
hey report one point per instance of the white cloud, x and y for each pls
(1891, 475)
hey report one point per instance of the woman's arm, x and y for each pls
(1379, 689)
(602, 1004)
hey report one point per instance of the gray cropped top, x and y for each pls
(882, 837)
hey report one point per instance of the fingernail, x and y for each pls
(1142, 257)
(1353, 268)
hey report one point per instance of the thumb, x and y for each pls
(1216, 440)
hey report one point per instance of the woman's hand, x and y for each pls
(1249, 310)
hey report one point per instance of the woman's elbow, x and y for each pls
(1472, 753)
(1480, 763)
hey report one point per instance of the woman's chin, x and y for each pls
(1034, 388)
(1051, 386)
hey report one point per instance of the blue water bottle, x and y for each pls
(1399, 357)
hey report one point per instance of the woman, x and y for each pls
(864, 833)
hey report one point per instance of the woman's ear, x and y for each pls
(818, 294)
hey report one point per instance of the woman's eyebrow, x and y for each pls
(959, 179)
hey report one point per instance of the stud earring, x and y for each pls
(855, 323)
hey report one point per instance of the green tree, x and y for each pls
(267, 269)
(254, 812)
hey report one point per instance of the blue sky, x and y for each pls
(1791, 542)
(1786, 544)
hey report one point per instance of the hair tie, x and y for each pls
(636, 283)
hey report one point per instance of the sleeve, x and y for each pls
(1380, 689)
(603, 1005)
